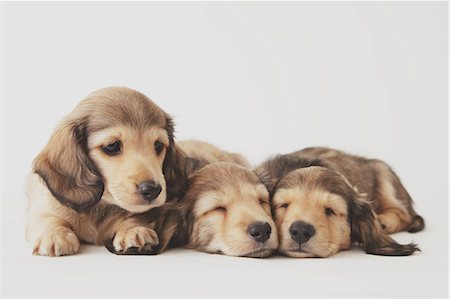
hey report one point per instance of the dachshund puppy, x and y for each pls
(113, 157)
(324, 200)
(225, 209)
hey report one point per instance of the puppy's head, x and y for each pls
(116, 144)
(229, 212)
(318, 214)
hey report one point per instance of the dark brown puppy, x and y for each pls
(112, 157)
(324, 200)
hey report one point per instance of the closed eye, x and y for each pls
(329, 211)
(283, 206)
(264, 202)
(218, 209)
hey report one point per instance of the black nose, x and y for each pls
(260, 231)
(301, 231)
(149, 190)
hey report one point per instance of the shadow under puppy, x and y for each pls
(225, 210)
(111, 158)
(324, 200)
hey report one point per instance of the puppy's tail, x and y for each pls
(417, 224)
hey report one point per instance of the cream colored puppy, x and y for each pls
(112, 158)
(225, 209)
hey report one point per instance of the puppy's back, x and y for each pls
(209, 153)
(371, 177)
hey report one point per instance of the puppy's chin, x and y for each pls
(253, 250)
(305, 252)
(137, 204)
(259, 253)
(298, 254)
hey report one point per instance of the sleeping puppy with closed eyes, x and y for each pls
(225, 210)
(112, 158)
(324, 200)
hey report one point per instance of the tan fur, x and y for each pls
(138, 163)
(224, 199)
(204, 151)
(77, 192)
(345, 198)
(391, 201)
(307, 203)
(391, 212)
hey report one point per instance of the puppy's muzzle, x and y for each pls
(149, 190)
(301, 231)
(259, 231)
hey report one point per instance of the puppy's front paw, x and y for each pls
(387, 224)
(138, 238)
(58, 242)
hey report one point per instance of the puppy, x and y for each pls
(113, 157)
(225, 209)
(324, 200)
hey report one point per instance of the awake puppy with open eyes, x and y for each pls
(112, 158)
(324, 200)
(225, 209)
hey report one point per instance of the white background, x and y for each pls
(255, 78)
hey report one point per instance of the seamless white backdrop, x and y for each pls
(255, 78)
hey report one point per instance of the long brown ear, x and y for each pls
(174, 225)
(66, 168)
(367, 231)
(174, 169)
(177, 166)
(173, 166)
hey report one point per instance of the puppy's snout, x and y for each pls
(149, 190)
(260, 231)
(301, 231)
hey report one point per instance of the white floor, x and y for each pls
(179, 272)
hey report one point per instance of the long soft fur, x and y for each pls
(377, 202)
(71, 197)
(215, 176)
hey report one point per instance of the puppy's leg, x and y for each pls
(51, 236)
(48, 229)
(395, 205)
(394, 219)
(132, 234)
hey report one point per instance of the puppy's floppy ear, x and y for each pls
(173, 166)
(367, 231)
(174, 169)
(64, 165)
(174, 225)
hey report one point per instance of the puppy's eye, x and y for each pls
(112, 149)
(264, 202)
(159, 146)
(219, 209)
(283, 206)
(329, 212)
